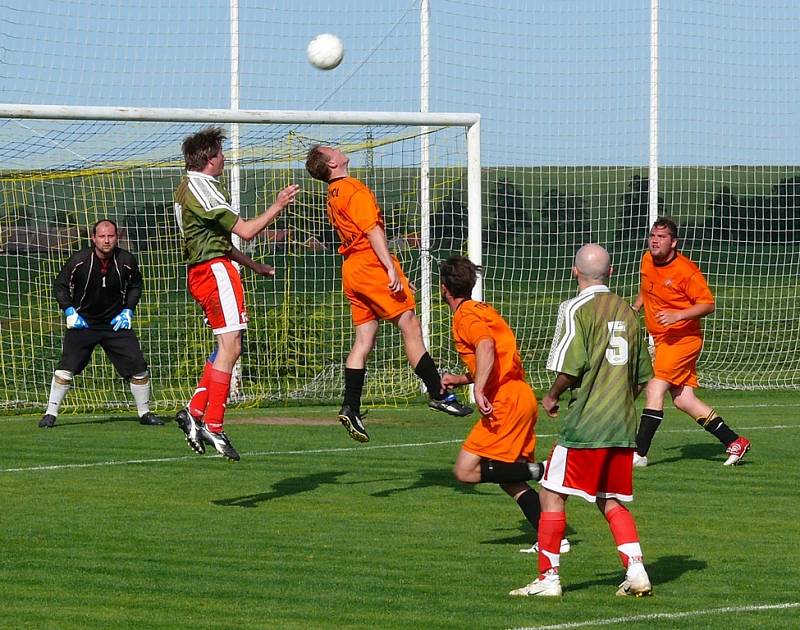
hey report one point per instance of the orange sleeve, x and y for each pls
(697, 289)
(472, 329)
(364, 211)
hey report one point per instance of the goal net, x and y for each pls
(60, 176)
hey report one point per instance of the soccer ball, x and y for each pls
(325, 51)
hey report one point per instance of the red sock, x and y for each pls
(551, 531)
(623, 528)
(219, 385)
(199, 401)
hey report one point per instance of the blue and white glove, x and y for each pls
(123, 320)
(74, 320)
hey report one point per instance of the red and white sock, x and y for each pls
(219, 385)
(199, 401)
(551, 530)
(623, 528)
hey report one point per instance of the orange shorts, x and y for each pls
(507, 435)
(676, 359)
(366, 286)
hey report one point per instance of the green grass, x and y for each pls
(107, 524)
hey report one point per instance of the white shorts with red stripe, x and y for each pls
(217, 287)
(591, 473)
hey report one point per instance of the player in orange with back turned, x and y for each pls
(676, 297)
(499, 448)
(374, 285)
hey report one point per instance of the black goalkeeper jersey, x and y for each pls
(99, 289)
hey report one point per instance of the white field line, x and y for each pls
(318, 451)
(669, 616)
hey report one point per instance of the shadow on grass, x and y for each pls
(526, 536)
(284, 488)
(429, 478)
(60, 424)
(706, 450)
(662, 570)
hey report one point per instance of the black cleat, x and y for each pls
(449, 404)
(220, 442)
(47, 421)
(150, 419)
(191, 428)
(353, 423)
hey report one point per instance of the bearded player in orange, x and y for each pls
(499, 448)
(676, 297)
(375, 286)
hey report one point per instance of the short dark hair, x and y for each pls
(317, 163)
(94, 227)
(459, 275)
(666, 222)
(200, 147)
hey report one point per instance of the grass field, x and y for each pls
(107, 524)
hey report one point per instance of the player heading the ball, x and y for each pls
(375, 286)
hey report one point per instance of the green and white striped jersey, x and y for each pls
(205, 217)
(599, 340)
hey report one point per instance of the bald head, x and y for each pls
(592, 264)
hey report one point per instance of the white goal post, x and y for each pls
(94, 179)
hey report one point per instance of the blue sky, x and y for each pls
(556, 82)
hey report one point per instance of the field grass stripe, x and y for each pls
(656, 616)
(157, 460)
(317, 451)
(35, 418)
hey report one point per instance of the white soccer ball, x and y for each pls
(325, 51)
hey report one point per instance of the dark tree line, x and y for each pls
(760, 219)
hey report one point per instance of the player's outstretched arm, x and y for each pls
(455, 380)
(238, 256)
(250, 229)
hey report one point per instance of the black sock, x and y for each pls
(353, 386)
(503, 472)
(648, 425)
(426, 370)
(528, 502)
(716, 426)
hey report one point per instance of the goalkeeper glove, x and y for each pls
(74, 320)
(123, 320)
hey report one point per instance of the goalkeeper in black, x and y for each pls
(98, 289)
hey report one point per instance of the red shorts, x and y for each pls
(507, 435)
(591, 473)
(366, 286)
(676, 359)
(216, 286)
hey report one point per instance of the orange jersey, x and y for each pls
(353, 211)
(474, 321)
(672, 287)
(507, 434)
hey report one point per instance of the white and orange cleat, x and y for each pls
(736, 451)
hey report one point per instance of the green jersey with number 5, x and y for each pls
(599, 340)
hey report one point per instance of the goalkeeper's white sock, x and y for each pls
(140, 388)
(59, 387)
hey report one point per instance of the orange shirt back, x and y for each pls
(353, 211)
(474, 321)
(675, 286)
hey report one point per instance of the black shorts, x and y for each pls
(121, 347)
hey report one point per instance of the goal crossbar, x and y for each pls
(177, 114)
